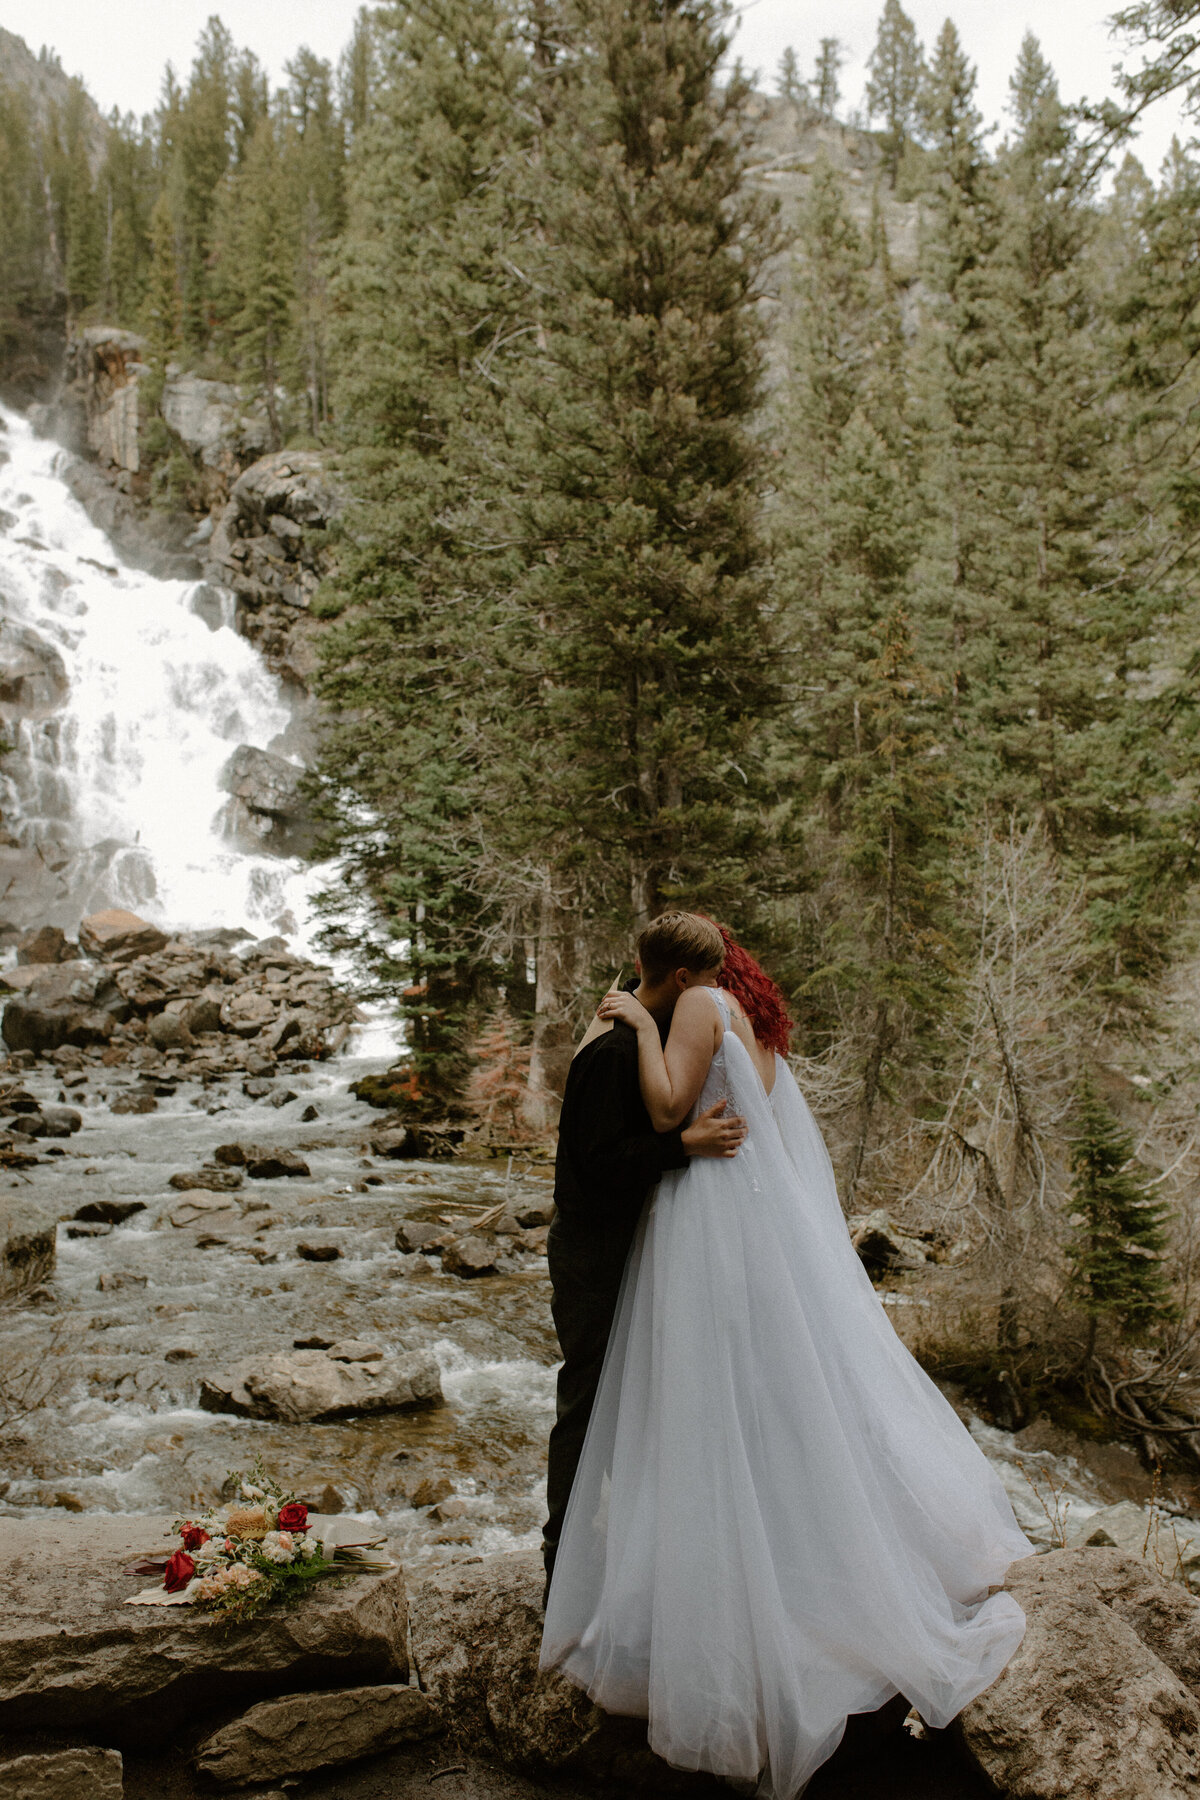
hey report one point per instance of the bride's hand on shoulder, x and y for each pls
(622, 1005)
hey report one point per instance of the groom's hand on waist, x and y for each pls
(713, 1134)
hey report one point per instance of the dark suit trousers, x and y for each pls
(585, 1269)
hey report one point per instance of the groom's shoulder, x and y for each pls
(614, 1045)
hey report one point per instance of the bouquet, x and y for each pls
(238, 1559)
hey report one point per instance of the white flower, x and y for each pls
(210, 1552)
(250, 1492)
(309, 1545)
(278, 1547)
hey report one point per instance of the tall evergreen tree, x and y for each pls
(895, 79)
(861, 740)
(253, 285)
(1117, 1274)
(792, 86)
(202, 134)
(826, 84)
(414, 674)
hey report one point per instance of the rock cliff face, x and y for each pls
(270, 546)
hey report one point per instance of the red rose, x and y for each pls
(180, 1569)
(193, 1536)
(293, 1517)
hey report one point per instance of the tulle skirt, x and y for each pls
(778, 1519)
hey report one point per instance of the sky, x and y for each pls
(120, 48)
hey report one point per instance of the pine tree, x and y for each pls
(861, 740)
(357, 74)
(1048, 613)
(826, 87)
(163, 306)
(1117, 1272)
(313, 175)
(26, 273)
(202, 133)
(792, 86)
(253, 285)
(414, 676)
(895, 80)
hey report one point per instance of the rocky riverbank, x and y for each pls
(388, 1679)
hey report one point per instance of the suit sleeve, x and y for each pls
(618, 1154)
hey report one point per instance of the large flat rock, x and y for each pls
(62, 1775)
(1102, 1699)
(73, 1655)
(302, 1732)
(476, 1636)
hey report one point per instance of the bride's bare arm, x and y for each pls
(670, 1080)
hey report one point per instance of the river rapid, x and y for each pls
(141, 688)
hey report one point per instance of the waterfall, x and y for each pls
(133, 692)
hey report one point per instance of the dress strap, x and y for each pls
(721, 1001)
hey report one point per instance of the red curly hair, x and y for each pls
(760, 999)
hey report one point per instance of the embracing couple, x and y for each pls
(763, 1514)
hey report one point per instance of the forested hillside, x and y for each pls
(828, 565)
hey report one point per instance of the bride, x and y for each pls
(777, 1518)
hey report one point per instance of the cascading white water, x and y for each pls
(119, 781)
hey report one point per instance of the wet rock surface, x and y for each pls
(267, 809)
(74, 1656)
(195, 1003)
(305, 1385)
(67, 1774)
(476, 1637)
(312, 1731)
(1103, 1696)
(271, 547)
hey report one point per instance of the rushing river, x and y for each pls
(141, 688)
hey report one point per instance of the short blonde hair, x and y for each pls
(679, 940)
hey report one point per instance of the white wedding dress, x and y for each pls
(777, 1520)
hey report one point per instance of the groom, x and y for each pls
(609, 1161)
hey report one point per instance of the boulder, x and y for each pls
(133, 1103)
(300, 1386)
(62, 1120)
(68, 1003)
(73, 1774)
(531, 1214)
(259, 1162)
(245, 1014)
(266, 810)
(415, 1234)
(203, 1012)
(47, 944)
(33, 676)
(118, 936)
(314, 1731)
(469, 1257)
(476, 1636)
(167, 1031)
(318, 1253)
(436, 1142)
(1175, 1543)
(1103, 1696)
(431, 1490)
(216, 1181)
(213, 422)
(105, 366)
(73, 1655)
(882, 1249)
(109, 1212)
